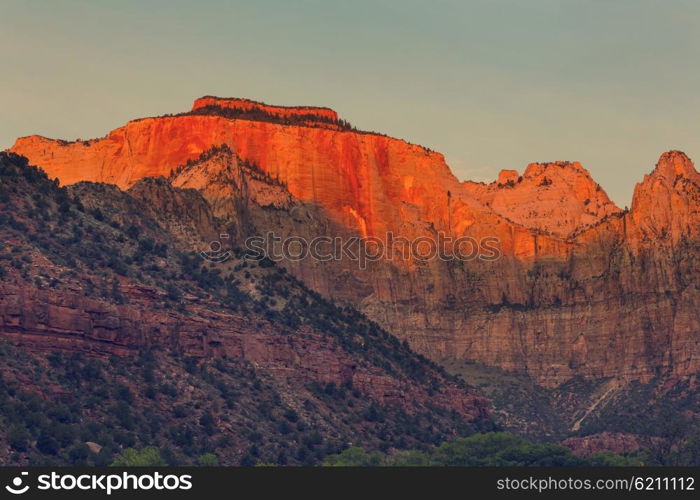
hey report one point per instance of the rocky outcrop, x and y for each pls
(63, 320)
(666, 204)
(223, 178)
(581, 288)
(615, 442)
(559, 198)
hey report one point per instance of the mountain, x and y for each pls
(582, 287)
(589, 309)
(117, 333)
(665, 204)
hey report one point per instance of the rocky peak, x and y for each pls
(228, 183)
(674, 163)
(559, 197)
(565, 168)
(184, 212)
(506, 176)
(666, 204)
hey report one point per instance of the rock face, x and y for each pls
(107, 272)
(365, 182)
(615, 442)
(558, 198)
(666, 203)
(580, 288)
(42, 320)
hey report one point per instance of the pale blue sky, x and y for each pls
(491, 84)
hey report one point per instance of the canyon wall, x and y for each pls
(47, 321)
(581, 288)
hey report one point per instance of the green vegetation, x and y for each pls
(145, 457)
(494, 449)
(519, 404)
(639, 409)
(664, 422)
(164, 408)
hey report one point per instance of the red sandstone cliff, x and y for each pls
(666, 204)
(582, 288)
(558, 198)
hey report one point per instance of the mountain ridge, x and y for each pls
(574, 255)
(93, 275)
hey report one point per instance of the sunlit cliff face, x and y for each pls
(582, 287)
(367, 182)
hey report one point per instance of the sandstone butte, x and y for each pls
(582, 288)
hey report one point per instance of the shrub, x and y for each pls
(146, 457)
(354, 457)
(208, 460)
(46, 444)
(18, 438)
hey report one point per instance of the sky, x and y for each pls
(490, 84)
